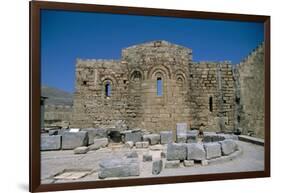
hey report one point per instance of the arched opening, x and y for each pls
(107, 89)
(211, 104)
(180, 82)
(159, 86)
(136, 76)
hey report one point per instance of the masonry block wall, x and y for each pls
(154, 86)
(251, 80)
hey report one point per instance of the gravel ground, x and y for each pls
(53, 162)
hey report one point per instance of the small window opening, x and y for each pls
(237, 100)
(180, 82)
(84, 82)
(107, 89)
(238, 119)
(159, 87)
(211, 104)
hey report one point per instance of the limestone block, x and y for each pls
(181, 138)
(188, 163)
(218, 137)
(195, 151)
(147, 157)
(181, 128)
(176, 151)
(95, 133)
(195, 132)
(129, 144)
(71, 140)
(228, 146)
(152, 138)
(191, 138)
(119, 167)
(172, 164)
(166, 137)
(157, 167)
(229, 136)
(132, 154)
(209, 137)
(157, 147)
(138, 144)
(81, 150)
(133, 136)
(204, 162)
(99, 143)
(145, 144)
(213, 150)
(50, 142)
(142, 144)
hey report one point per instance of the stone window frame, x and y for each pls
(211, 103)
(136, 71)
(105, 81)
(180, 74)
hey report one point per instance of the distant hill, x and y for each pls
(56, 96)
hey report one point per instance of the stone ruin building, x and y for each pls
(156, 85)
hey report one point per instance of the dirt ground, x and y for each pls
(54, 162)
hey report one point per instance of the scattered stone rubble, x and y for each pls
(187, 150)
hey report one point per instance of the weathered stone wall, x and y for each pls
(57, 115)
(147, 63)
(251, 80)
(92, 108)
(196, 93)
(212, 95)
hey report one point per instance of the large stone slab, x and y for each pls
(213, 150)
(119, 167)
(181, 128)
(81, 150)
(99, 143)
(129, 144)
(228, 146)
(157, 167)
(188, 163)
(142, 144)
(50, 142)
(209, 137)
(172, 164)
(152, 138)
(71, 140)
(176, 151)
(181, 132)
(133, 136)
(191, 138)
(166, 137)
(195, 132)
(195, 151)
(95, 133)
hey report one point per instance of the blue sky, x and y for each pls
(67, 35)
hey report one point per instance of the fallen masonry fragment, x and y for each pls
(119, 167)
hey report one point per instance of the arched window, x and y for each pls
(107, 89)
(159, 86)
(211, 104)
(136, 76)
(179, 82)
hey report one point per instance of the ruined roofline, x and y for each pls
(211, 62)
(156, 43)
(257, 49)
(96, 60)
(90, 62)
